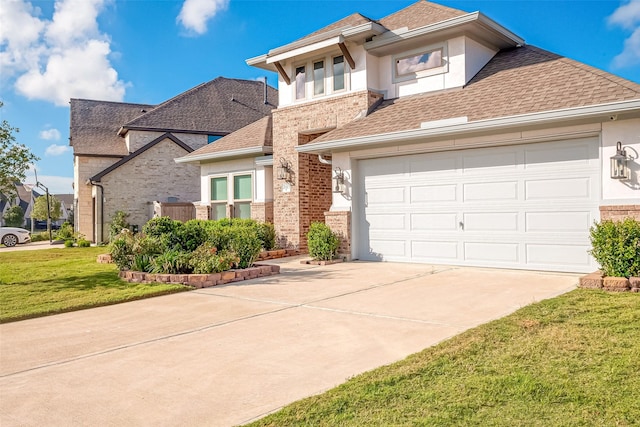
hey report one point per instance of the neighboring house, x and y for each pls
(123, 153)
(66, 207)
(453, 142)
(25, 199)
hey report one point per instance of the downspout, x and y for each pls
(323, 160)
(101, 211)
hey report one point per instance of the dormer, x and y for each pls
(424, 47)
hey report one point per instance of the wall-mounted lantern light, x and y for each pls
(339, 185)
(284, 170)
(620, 163)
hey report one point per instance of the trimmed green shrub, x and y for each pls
(160, 226)
(267, 235)
(83, 243)
(323, 243)
(616, 247)
(68, 243)
(245, 244)
(121, 250)
(191, 235)
(40, 237)
(66, 232)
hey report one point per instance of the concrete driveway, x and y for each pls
(230, 354)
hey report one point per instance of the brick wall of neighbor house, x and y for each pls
(620, 212)
(151, 176)
(294, 210)
(262, 211)
(86, 168)
(340, 223)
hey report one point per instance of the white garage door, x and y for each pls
(524, 206)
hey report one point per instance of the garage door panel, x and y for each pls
(492, 161)
(494, 252)
(558, 222)
(437, 251)
(561, 255)
(560, 188)
(486, 191)
(434, 193)
(526, 206)
(383, 222)
(447, 221)
(385, 196)
(490, 221)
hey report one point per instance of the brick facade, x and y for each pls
(340, 223)
(262, 211)
(620, 212)
(308, 196)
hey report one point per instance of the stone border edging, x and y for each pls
(202, 280)
(596, 280)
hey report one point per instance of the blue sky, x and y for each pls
(147, 51)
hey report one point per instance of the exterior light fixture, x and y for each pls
(284, 170)
(339, 185)
(620, 163)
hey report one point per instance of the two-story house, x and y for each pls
(435, 135)
(124, 153)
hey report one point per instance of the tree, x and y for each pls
(40, 208)
(14, 217)
(14, 161)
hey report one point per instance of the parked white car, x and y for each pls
(11, 236)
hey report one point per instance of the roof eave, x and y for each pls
(498, 35)
(224, 155)
(602, 112)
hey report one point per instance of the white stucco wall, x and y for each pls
(477, 56)
(628, 132)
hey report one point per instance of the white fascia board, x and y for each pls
(260, 62)
(305, 49)
(546, 117)
(242, 152)
(441, 26)
(264, 161)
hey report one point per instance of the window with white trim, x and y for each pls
(301, 81)
(242, 196)
(318, 78)
(219, 197)
(418, 63)
(338, 73)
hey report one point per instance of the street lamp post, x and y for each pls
(41, 185)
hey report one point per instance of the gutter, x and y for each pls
(242, 152)
(604, 112)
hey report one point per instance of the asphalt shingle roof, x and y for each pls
(419, 15)
(257, 134)
(220, 106)
(94, 126)
(517, 81)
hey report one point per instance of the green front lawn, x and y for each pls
(569, 361)
(42, 282)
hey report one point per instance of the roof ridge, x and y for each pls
(112, 102)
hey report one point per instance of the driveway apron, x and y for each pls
(230, 354)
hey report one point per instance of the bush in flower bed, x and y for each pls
(616, 247)
(166, 246)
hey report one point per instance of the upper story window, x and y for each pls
(338, 73)
(418, 63)
(301, 80)
(318, 78)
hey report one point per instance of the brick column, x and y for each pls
(620, 212)
(340, 223)
(203, 212)
(262, 211)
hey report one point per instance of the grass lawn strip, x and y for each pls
(38, 283)
(570, 361)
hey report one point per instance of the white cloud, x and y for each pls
(56, 150)
(65, 57)
(195, 13)
(55, 184)
(627, 16)
(50, 134)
